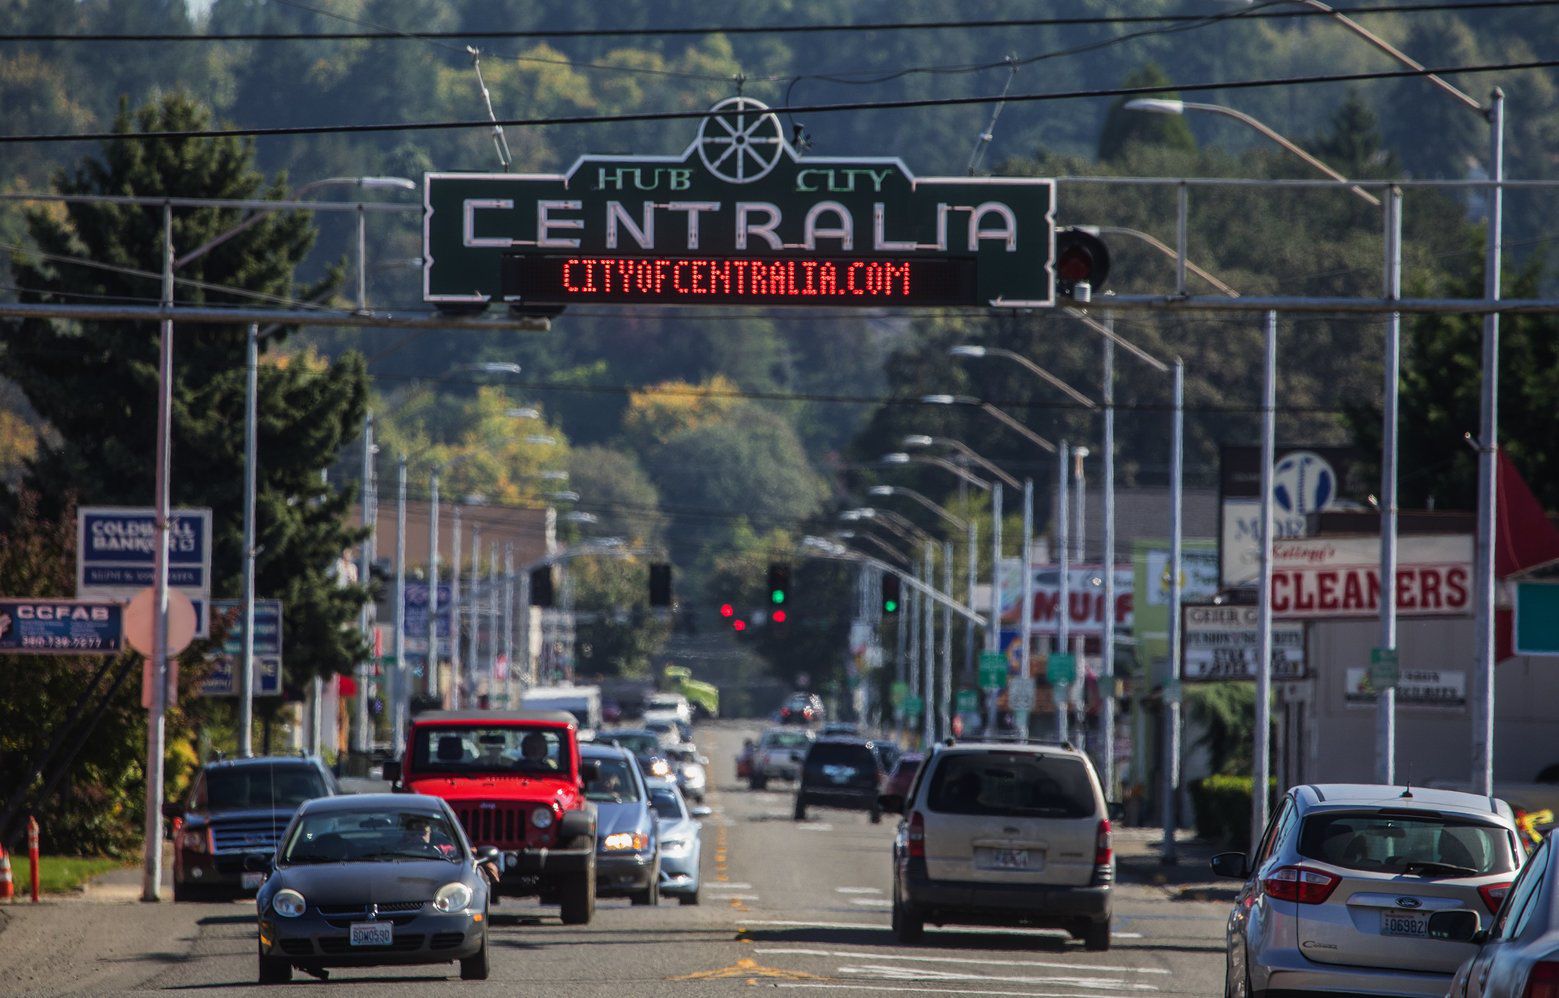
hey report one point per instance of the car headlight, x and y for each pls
(625, 841)
(542, 817)
(660, 767)
(288, 903)
(196, 840)
(675, 847)
(452, 897)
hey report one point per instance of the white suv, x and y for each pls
(1004, 833)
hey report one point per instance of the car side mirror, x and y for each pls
(254, 863)
(1234, 865)
(702, 811)
(892, 803)
(589, 771)
(1458, 925)
(391, 770)
(172, 809)
(487, 854)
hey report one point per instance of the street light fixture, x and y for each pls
(976, 351)
(998, 414)
(542, 440)
(523, 412)
(919, 440)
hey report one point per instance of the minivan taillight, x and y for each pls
(1295, 883)
(1102, 851)
(916, 836)
(1543, 981)
(1494, 895)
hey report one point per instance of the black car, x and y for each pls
(627, 862)
(237, 808)
(800, 708)
(373, 879)
(840, 773)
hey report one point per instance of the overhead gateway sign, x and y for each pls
(740, 217)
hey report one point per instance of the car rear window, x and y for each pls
(786, 739)
(1011, 783)
(1422, 843)
(666, 804)
(261, 787)
(614, 782)
(857, 758)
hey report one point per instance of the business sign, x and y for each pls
(1150, 592)
(1222, 643)
(416, 618)
(1305, 480)
(1537, 618)
(60, 627)
(116, 551)
(1315, 578)
(739, 217)
(1415, 688)
(222, 680)
(1085, 600)
(267, 626)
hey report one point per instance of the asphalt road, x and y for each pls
(796, 906)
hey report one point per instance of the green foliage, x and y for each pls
(1124, 128)
(618, 631)
(1226, 715)
(622, 496)
(1223, 808)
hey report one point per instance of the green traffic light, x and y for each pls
(778, 596)
(890, 606)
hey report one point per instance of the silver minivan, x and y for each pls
(999, 833)
(1346, 880)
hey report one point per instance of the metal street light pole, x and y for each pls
(402, 677)
(430, 676)
(915, 441)
(1171, 852)
(1026, 610)
(1386, 699)
(1263, 734)
(1488, 456)
(473, 657)
(1107, 639)
(365, 574)
(246, 663)
(945, 694)
(454, 615)
(932, 709)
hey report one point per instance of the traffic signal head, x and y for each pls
(541, 586)
(660, 584)
(727, 611)
(890, 593)
(779, 583)
(779, 616)
(1082, 264)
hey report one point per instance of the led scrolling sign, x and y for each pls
(738, 218)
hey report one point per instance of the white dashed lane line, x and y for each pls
(957, 960)
(727, 885)
(857, 890)
(926, 991)
(872, 902)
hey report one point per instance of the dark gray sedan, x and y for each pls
(373, 879)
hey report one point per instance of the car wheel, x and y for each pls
(1097, 937)
(274, 970)
(909, 926)
(649, 896)
(758, 782)
(876, 814)
(577, 897)
(474, 967)
(688, 898)
(185, 892)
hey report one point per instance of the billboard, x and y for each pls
(1086, 611)
(1222, 643)
(1304, 480)
(1320, 578)
(60, 627)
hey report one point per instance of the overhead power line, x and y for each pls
(888, 105)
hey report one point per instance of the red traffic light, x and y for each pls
(727, 610)
(779, 616)
(1081, 258)
(738, 625)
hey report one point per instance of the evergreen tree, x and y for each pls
(95, 382)
(1123, 128)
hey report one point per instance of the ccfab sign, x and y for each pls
(1326, 577)
(738, 217)
(60, 627)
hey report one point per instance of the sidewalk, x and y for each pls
(1139, 854)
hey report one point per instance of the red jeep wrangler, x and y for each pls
(515, 780)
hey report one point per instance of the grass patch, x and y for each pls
(59, 873)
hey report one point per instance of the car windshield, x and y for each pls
(1012, 783)
(613, 783)
(1402, 842)
(666, 804)
(637, 743)
(498, 749)
(371, 837)
(786, 739)
(261, 787)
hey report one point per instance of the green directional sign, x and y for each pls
(913, 705)
(897, 692)
(1061, 668)
(968, 702)
(1384, 671)
(740, 216)
(993, 670)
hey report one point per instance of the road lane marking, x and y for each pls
(821, 826)
(821, 925)
(926, 973)
(981, 962)
(872, 902)
(930, 991)
(739, 897)
(858, 890)
(729, 885)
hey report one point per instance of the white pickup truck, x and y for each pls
(778, 756)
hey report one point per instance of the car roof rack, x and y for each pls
(1002, 739)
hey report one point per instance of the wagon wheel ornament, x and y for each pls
(741, 140)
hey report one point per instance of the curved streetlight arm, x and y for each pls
(894, 516)
(1018, 427)
(1164, 248)
(985, 464)
(1276, 137)
(1394, 52)
(881, 544)
(945, 465)
(1071, 392)
(958, 523)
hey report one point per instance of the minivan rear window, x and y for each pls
(1011, 783)
(858, 759)
(1402, 842)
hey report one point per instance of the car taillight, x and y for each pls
(1543, 982)
(916, 837)
(784, 712)
(1102, 850)
(1294, 883)
(1493, 895)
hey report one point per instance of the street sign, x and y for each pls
(60, 627)
(968, 702)
(739, 217)
(913, 705)
(898, 692)
(1061, 668)
(222, 680)
(993, 670)
(267, 627)
(1537, 618)
(417, 617)
(1221, 643)
(1020, 693)
(1384, 673)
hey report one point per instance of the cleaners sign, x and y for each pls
(739, 217)
(1329, 577)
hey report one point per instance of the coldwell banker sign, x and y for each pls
(739, 217)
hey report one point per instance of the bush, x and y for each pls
(1222, 806)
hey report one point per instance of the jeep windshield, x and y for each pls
(260, 787)
(518, 750)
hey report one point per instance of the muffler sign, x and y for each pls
(60, 627)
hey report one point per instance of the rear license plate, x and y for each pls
(371, 933)
(1004, 859)
(1396, 924)
(251, 881)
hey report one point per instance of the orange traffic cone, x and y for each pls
(7, 889)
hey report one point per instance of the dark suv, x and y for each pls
(238, 808)
(841, 773)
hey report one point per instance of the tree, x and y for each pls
(1123, 128)
(617, 632)
(103, 452)
(1352, 142)
(614, 486)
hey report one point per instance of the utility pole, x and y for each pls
(455, 609)
(1386, 699)
(492, 628)
(1263, 733)
(508, 613)
(474, 612)
(365, 577)
(1171, 688)
(402, 677)
(430, 675)
(1063, 610)
(246, 663)
(1488, 457)
(1107, 639)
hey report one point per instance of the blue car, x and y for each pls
(681, 841)
(627, 840)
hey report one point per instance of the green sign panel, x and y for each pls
(968, 702)
(1061, 668)
(913, 705)
(897, 692)
(739, 217)
(1537, 618)
(1384, 671)
(993, 670)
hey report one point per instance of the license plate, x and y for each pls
(1396, 924)
(371, 933)
(1004, 859)
(251, 881)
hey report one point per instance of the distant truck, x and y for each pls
(703, 697)
(584, 702)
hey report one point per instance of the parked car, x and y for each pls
(627, 837)
(840, 773)
(1004, 834)
(235, 809)
(370, 879)
(692, 778)
(902, 775)
(514, 779)
(801, 708)
(1346, 879)
(778, 756)
(1519, 953)
(645, 745)
(681, 841)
